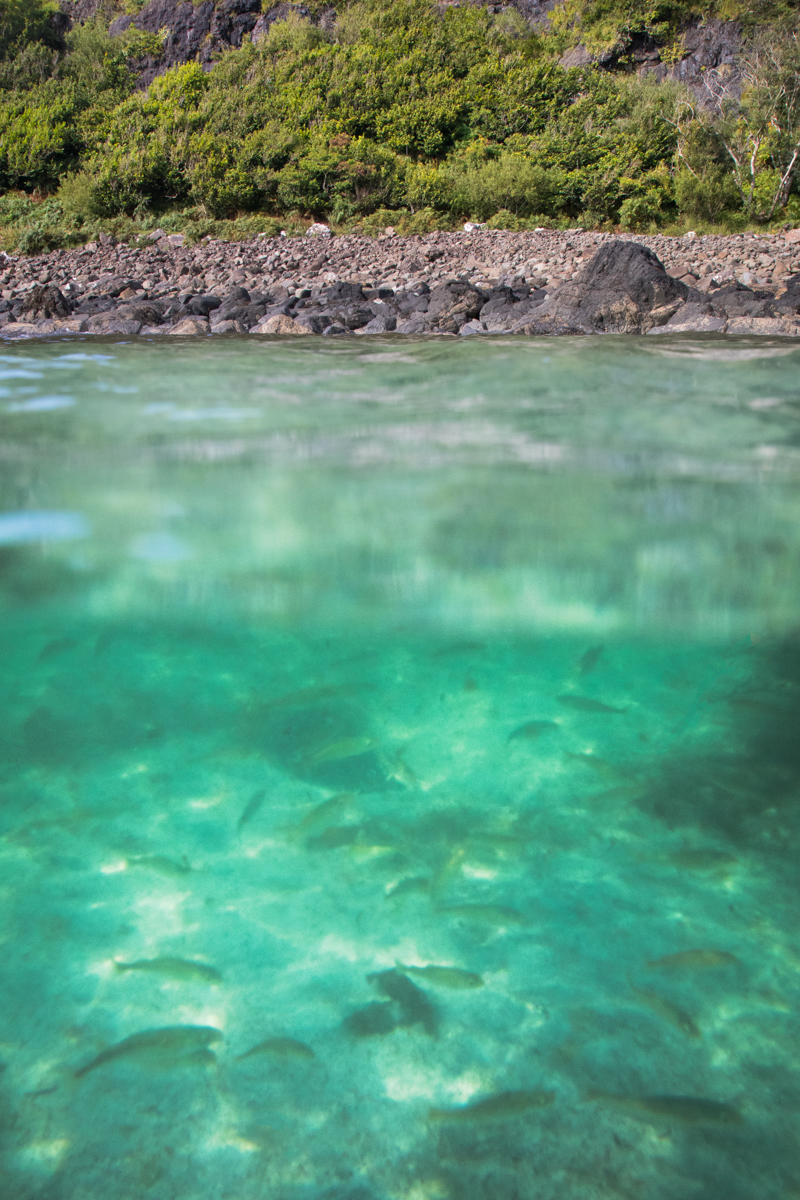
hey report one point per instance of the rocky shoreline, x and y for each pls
(479, 282)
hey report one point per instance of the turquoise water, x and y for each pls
(326, 665)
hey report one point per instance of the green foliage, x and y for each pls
(410, 114)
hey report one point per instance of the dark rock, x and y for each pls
(316, 322)
(344, 292)
(623, 289)
(95, 304)
(45, 301)
(111, 323)
(238, 294)
(201, 306)
(453, 303)
(380, 324)
(411, 303)
(333, 330)
(736, 300)
(354, 318)
(146, 311)
(788, 302)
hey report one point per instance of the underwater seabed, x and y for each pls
(422, 833)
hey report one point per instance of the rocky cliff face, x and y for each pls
(707, 45)
(200, 32)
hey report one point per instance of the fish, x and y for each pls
(449, 977)
(281, 1047)
(668, 1011)
(531, 730)
(586, 704)
(417, 883)
(250, 809)
(161, 864)
(57, 647)
(336, 751)
(703, 859)
(486, 914)
(501, 1107)
(458, 648)
(172, 1044)
(590, 659)
(689, 1109)
(321, 814)
(179, 969)
(415, 1007)
(694, 960)
(334, 837)
(372, 1020)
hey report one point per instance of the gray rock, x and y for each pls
(111, 323)
(315, 322)
(229, 327)
(379, 325)
(45, 301)
(190, 327)
(623, 289)
(700, 323)
(453, 303)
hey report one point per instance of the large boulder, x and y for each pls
(623, 289)
(45, 301)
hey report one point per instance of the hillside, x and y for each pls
(224, 119)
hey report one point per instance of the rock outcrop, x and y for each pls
(623, 289)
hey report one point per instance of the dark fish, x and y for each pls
(693, 960)
(415, 1007)
(281, 1047)
(668, 1011)
(590, 659)
(334, 837)
(165, 1046)
(690, 1110)
(501, 1107)
(458, 648)
(586, 704)
(532, 730)
(250, 809)
(371, 1021)
(701, 859)
(323, 812)
(55, 648)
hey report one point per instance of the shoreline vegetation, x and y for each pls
(413, 116)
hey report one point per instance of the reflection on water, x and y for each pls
(399, 774)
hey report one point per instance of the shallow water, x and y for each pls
(335, 662)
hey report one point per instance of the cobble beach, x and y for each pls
(351, 284)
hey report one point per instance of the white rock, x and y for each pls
(318, 230)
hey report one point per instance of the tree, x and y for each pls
(760, 129)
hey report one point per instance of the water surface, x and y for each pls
(324, 665)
